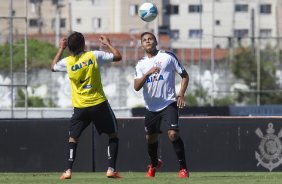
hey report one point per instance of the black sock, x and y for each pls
(71, 154)
(180, 153)
(112, 152)
(153, 153)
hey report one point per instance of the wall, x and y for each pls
(212, 144)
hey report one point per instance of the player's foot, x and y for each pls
(66, 175)
(152, 170)
(183, 173)
(112, 174)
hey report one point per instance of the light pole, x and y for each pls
(59, 6)
(212, 54)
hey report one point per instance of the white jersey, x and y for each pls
(101, 57)
(159, 88)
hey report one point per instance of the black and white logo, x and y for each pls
(270, 148)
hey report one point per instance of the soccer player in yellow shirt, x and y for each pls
(88, 98)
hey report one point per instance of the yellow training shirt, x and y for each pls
(85, 80)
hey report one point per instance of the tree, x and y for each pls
(39, 55)
(244, 67)
(198, 97)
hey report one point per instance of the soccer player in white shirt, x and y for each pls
(156, 74)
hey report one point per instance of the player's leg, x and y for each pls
(179, 149)
(112, 156)
(106, 122)
(152, 129)
(152, 147)
(76, 128)
(170, 117)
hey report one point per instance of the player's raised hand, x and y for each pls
(63, 43)
(154, 69)
(104, 40)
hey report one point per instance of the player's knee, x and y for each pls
(172, 135)
(152, 138)
(73, 139)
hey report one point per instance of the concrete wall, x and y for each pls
(212, 144)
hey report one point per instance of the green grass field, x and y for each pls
(138, 178)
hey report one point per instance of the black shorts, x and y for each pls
(101, 115)
(167, 117)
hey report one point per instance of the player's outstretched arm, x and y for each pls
(106, 41)
(63, 45)
(184, 84)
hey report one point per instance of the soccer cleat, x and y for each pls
(183, 173)
(152, 170)
(112, 174)
(66, 175)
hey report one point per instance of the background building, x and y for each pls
(109, 16)
(194, 23)
(204, 34)
(41, 16)
(189, 23)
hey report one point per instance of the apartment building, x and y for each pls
(110, 16)
(219, 23)
(190, 23)
(41, 16)
(87, 16)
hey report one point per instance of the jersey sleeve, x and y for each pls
(61, 66)
(177, 65)
(138, 72)
(103, 57)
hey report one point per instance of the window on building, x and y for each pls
(34, 23)
(217, 22)
(78, 20)
(35, 1)
(265, 8)
(195, 33)
(240, 33)
(241, 8)
(133, 9)
(265, 32)
(164, 29)
(96, 23)
(62, 23)
(172, 9)
(195, 8)
(58, 2)
(174, 34)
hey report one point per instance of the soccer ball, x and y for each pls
(148, 11)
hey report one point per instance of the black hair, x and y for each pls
(76, 43)
(149, 34)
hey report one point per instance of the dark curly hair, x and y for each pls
(145, 33)
(76, 43)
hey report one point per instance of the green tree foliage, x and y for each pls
(198, 97)
(244, 67)
(39, 55)
(225, 101)
(32, 101)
